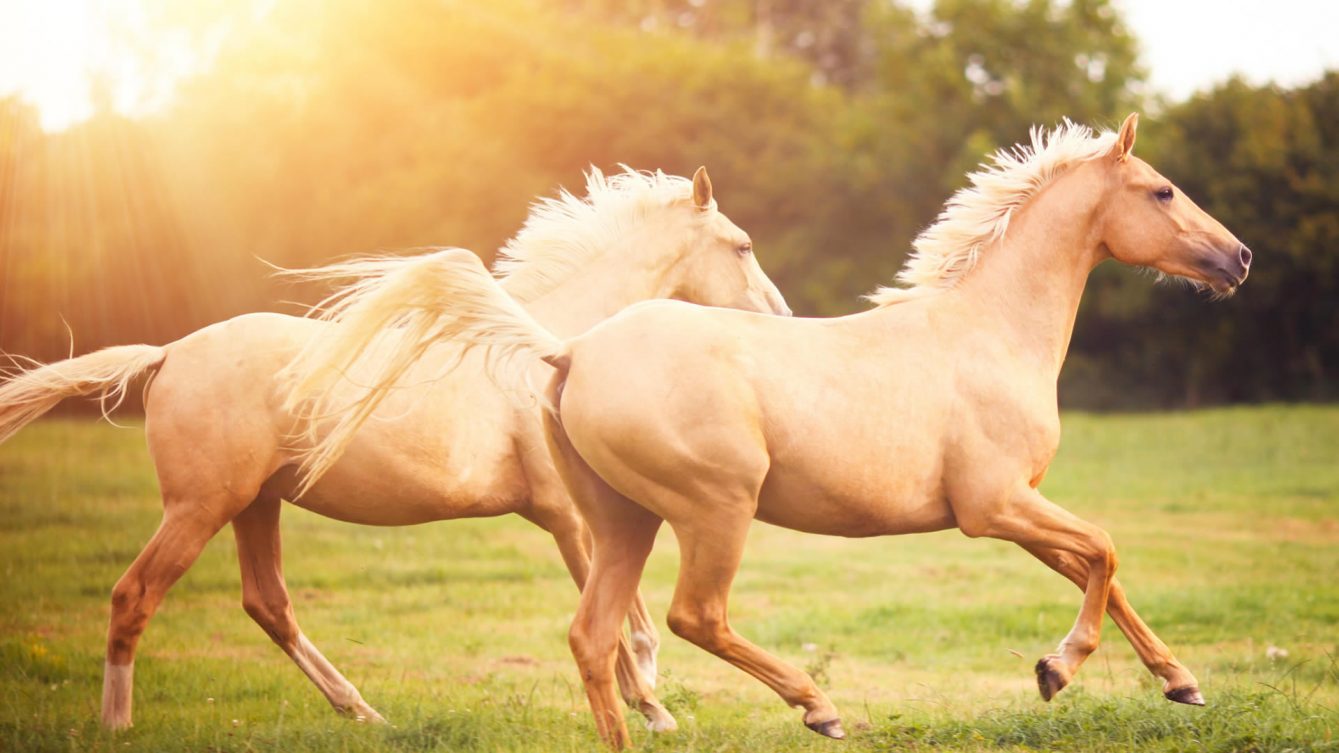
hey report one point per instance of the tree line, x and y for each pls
(833, 131)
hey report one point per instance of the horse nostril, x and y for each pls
(1245, 257)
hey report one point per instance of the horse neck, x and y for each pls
(1026, 287)
(600, 288)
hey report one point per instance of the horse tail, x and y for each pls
(30, 392)
(385, 322)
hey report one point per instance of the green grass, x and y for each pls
(1227, 523)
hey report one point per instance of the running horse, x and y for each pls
(935, 409)
(226, 448)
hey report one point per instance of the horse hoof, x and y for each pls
(1049, 681)
(1189, 695)
(363, 713)
(659, 719)
(831, 728)
(666, 724)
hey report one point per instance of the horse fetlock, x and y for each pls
(1181, 686)
(1053, 674)
(1174, 673)
(366, 713)
(116, 722)
(355, 708)
(117, 693)
(658, 718)
(1079, 645)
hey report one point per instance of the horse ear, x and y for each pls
(1125, 138)
(701, 189)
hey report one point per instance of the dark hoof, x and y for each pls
(831, 728)
(1049, 682)
(1189, 695)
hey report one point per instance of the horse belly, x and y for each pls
(856, 507)
(386, 479)
(390, 498)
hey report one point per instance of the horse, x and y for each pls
(227, 450)
(935, 409)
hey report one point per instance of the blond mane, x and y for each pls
(979, 213)
(564, 231)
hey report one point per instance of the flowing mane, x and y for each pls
(979, 213)
(563, 231)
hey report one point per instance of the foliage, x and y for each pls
(833, 132)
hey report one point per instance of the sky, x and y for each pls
(48, 46)
(1192, 44)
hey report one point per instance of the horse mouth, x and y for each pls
(1221, 286)
(1228, 282)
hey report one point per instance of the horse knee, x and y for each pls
(274, 617)
(128, 619)
(698, 627)
(1103, 553)
(126, 595)
(592, 652)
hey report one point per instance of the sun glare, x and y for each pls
(70, 58)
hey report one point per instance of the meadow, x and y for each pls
(1227, 523)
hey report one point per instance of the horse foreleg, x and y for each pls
(137, 595)
(1179, 684)
(1029, 519)
(265, 597)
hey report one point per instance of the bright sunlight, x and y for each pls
(71, 58)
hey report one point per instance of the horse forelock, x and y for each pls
(979, 213)
(564, 231)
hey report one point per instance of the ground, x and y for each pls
(1227, 523)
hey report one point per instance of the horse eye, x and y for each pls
(745, 248)
(1164, 193)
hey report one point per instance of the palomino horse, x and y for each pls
(220, 438)
(936, 409)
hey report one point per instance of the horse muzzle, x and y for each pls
(1229, 272)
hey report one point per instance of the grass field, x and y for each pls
(1227, 523)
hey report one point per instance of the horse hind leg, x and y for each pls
(711, 547)
(622, 535)
(553, 511)
(174, 547)
(265, 598)
(637, 651)
(645, 640)
(621, 550)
